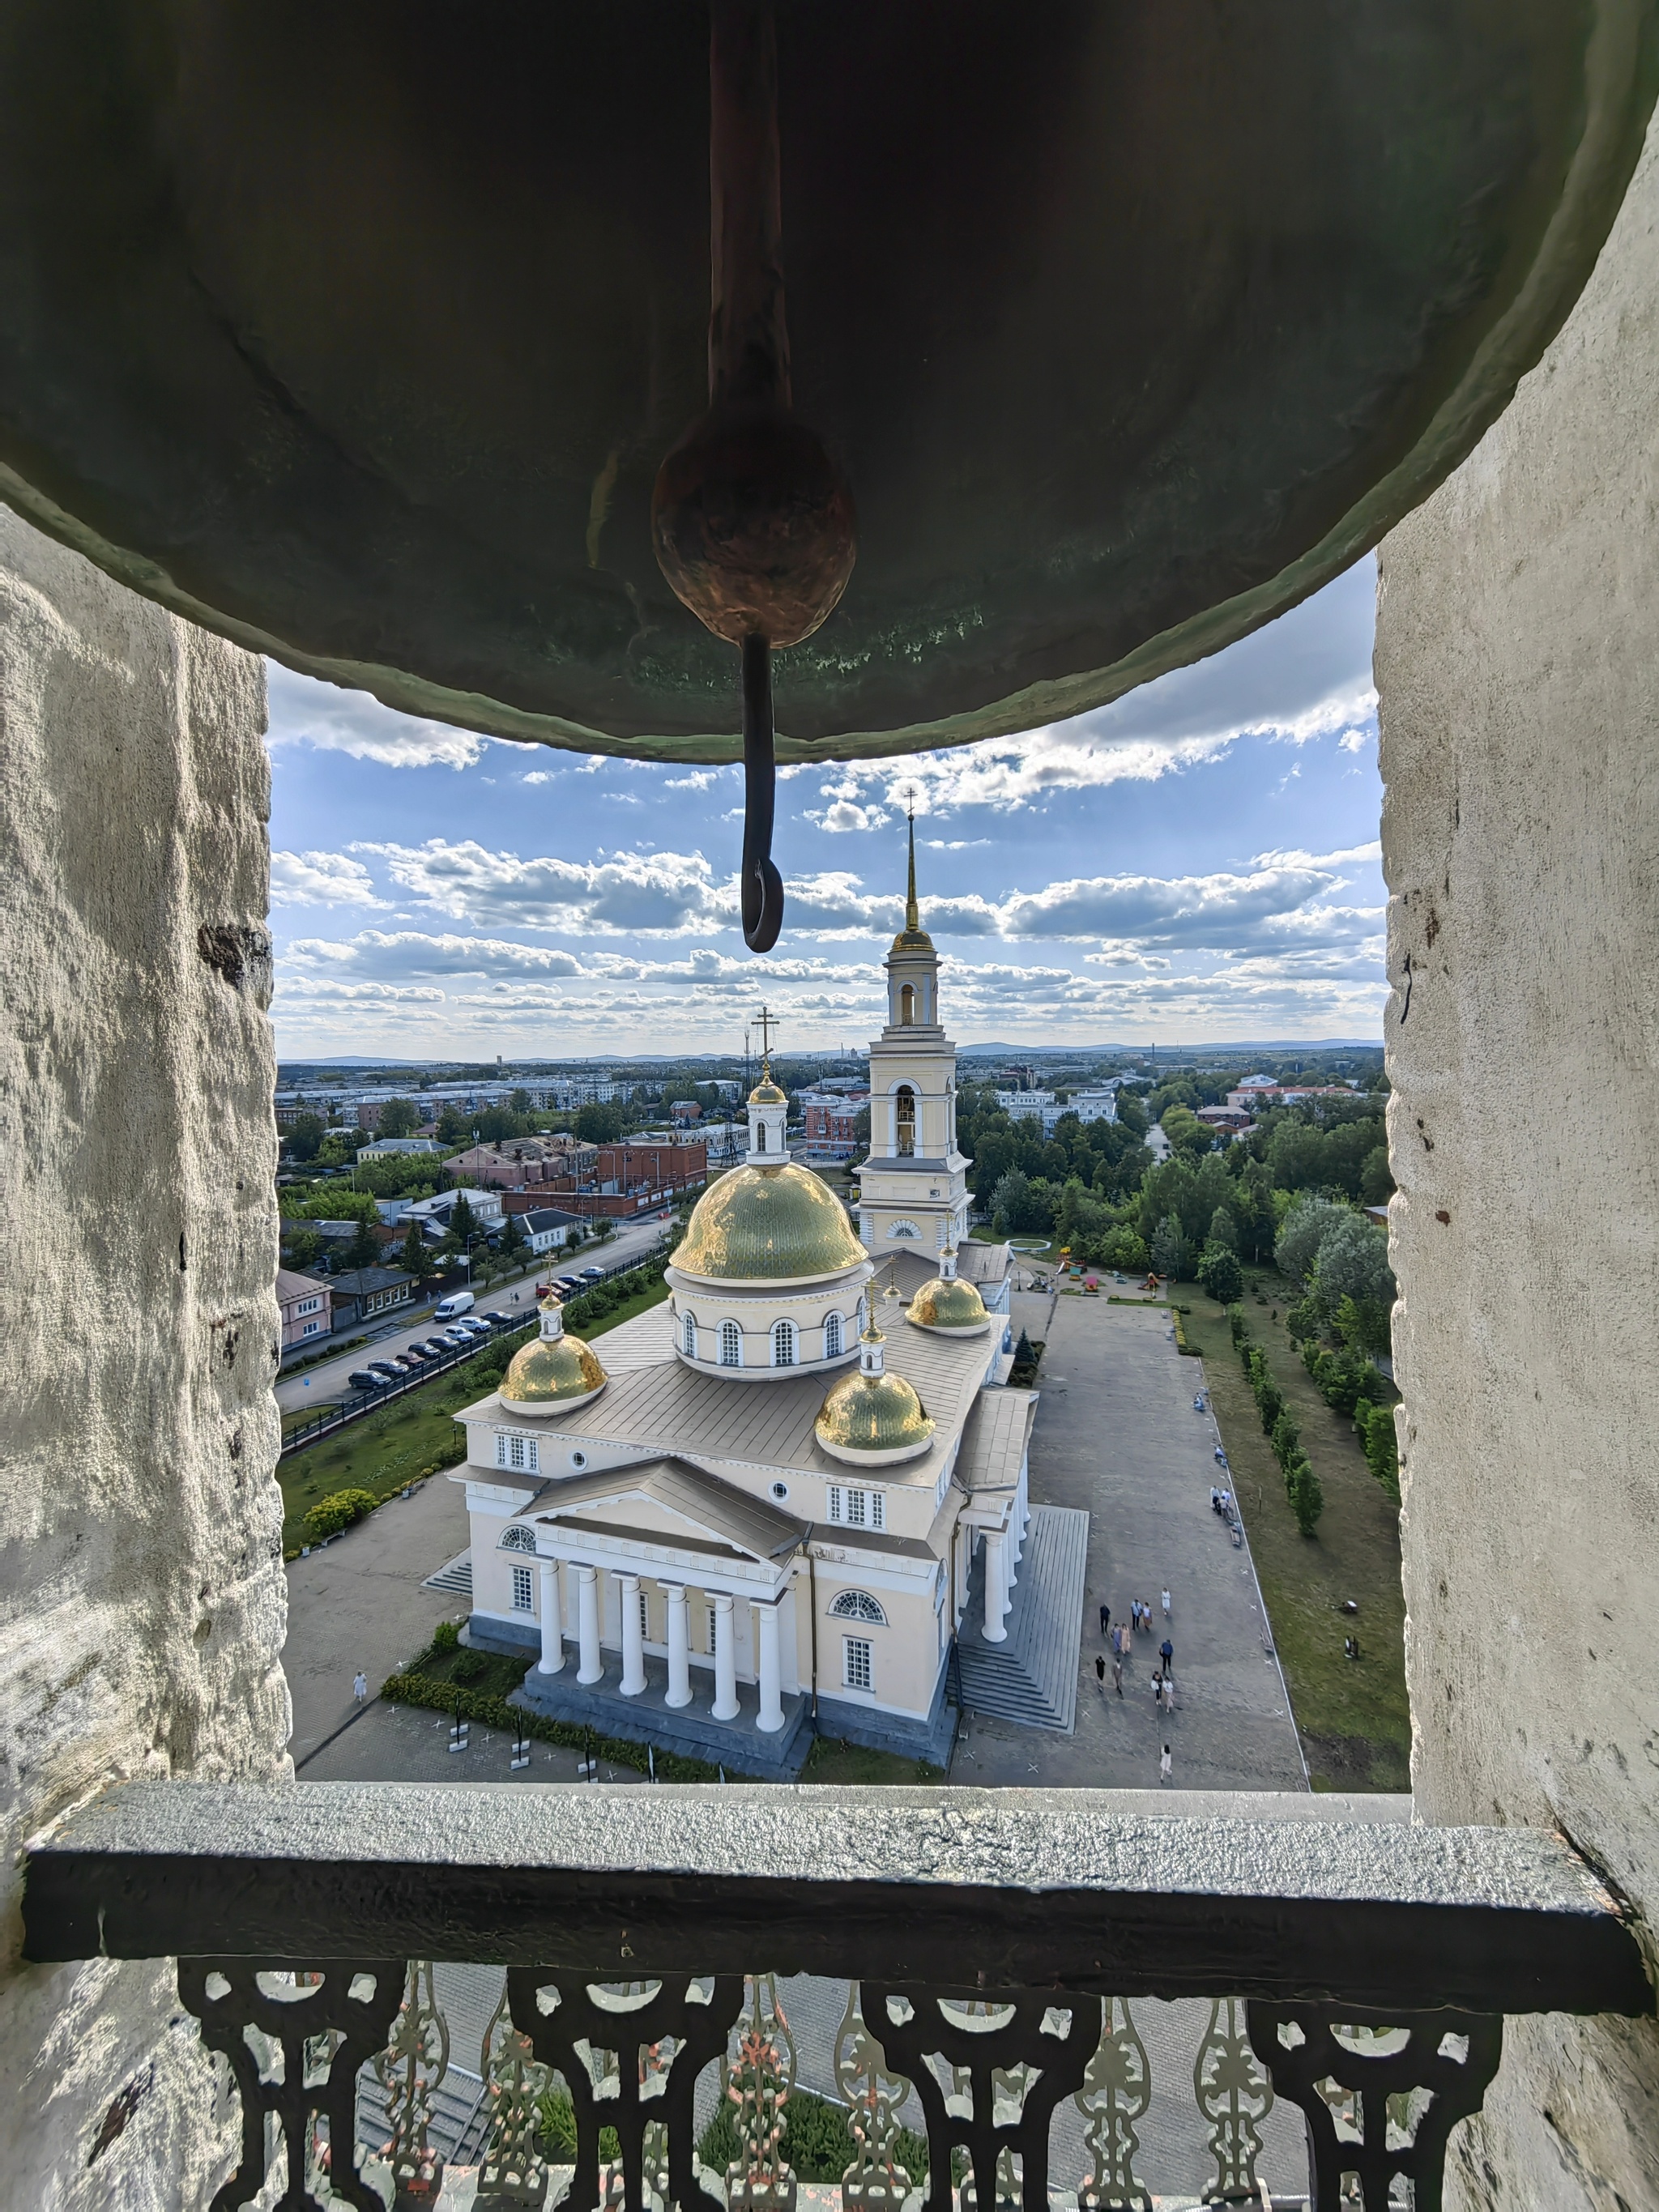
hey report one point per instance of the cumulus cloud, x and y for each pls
(619, 893)
(390, 954)
(320, 879)
(304, 712)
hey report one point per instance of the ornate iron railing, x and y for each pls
(990, 1946)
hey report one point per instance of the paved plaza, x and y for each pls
(1116, 1436)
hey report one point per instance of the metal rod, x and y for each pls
(762, 885)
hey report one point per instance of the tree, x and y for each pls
(399, 1117)
(462, 1220)
(1185, 1132)
(1381, 1445)
(520, 1102)
(599, 1125)
(1009, 1201)
(364, 1250)
(303, 1139)
(1219, 1273)
(1169, 1248)
(452, 1128)
(412, 1258)
(1353, 1262)
(1376, 1178)
(1286, 1439)
(1223, 1229)
(302, 1248)
(1251, 1205)
(1307, 1497)
(1123, 1249)
(513, 1239)
(1364, 1325)
(1305, 1226)
(603, 1229)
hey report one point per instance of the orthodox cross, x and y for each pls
(768, 1022)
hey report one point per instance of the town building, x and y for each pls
(830, 1121)
(307, 1307)
(386, 1148)
(913, 1186)
(782, 1494)
(546, 1228)
(436, 1214)
(525, 1163)
(1257, 1092)
(629, 1179)
(364, 1293)
(1097, 1103)
(682, 1112)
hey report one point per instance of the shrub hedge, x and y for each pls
(330, 1515)
(417, 1689)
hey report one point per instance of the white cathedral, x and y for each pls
(757, 1514)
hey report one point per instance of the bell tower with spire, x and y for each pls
(913, 1188)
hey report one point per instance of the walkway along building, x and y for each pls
(764, 1502)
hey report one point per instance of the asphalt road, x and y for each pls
(319, 1385)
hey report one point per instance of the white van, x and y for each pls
(458, 1302)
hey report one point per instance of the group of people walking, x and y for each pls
(1121, 1636)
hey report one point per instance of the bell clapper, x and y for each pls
(752, 519)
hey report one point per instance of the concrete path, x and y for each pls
(358, 1602)
(1116, 1434)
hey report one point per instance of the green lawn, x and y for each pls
(850, 1766)
(1353, 1717)
(411, 1439)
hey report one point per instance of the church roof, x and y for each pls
(689, 1493)
(768, 1224)
(664, 1406)
(995, 1440)
(979, 1263)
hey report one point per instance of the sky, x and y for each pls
(1197, 862)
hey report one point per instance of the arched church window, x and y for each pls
(688, 1336)
(905, 1111)
(730, 1345)
(907, 1005)
(859, 1604)
(783, 1344)
(760, 1136)
(832, 1337)
(904, 1229)
(518, 1539)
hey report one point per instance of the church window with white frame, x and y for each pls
(520, 1453)
(832, 1344)
(859, 1604)
(688, 1336)
(856, 1509)
(730, 1345)
(524, 1590)
(904, 1229)
(857, 1663)
(783, 1344)
(904, 1120)
(518, 1538)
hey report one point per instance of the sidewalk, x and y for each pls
(1116, 1434)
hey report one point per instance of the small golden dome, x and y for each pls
(768, 1224)
(953, 1307)
(912, 940)
(876, 1419)
(552, 1370)
(767, 1093)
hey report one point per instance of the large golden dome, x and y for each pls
(766, 1225)
(876, 1419)
(552, 1370)
(952, 1307)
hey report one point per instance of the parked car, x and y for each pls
(361, 1378)
(568, 1283)
(499, 1320)
(408, 1362)
(434, 1348)
(473, 1325)
(453, 1339)
(385, 1370)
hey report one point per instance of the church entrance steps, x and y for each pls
(1031, 1679)
(692, 1732)
(456, 1577)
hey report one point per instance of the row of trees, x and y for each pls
(1302, 1484)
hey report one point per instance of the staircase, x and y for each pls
(456, 1578)
(1031, 1678)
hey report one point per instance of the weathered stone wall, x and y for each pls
(141, 1596)
(1517, 662)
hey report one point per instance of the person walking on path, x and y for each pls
(1100, 1673)
(359, 1687)
(1105, 1618)
(1167, 1615)
(1166, 1765)
(1166, 1653)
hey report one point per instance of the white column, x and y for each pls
(632, 1643)
(770, 1671)
(725, 1707)
(996, 1587)
(679, 1648)
(587, 1625)
(552, 1657)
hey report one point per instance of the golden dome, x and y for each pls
(874, 1418)
(767, 1093)
(552, 1370)
(768, 1224)
(953, 1307)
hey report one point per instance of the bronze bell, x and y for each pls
(379, 338)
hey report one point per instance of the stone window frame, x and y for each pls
(833, 1336)
(906, 1231)
(517, 1452)
(786, 1344)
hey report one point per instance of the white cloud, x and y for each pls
(331, 720)
(320, 879)
(699, 780)
(627, 892)
(387, 955)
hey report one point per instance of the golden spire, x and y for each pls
(912, 912)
